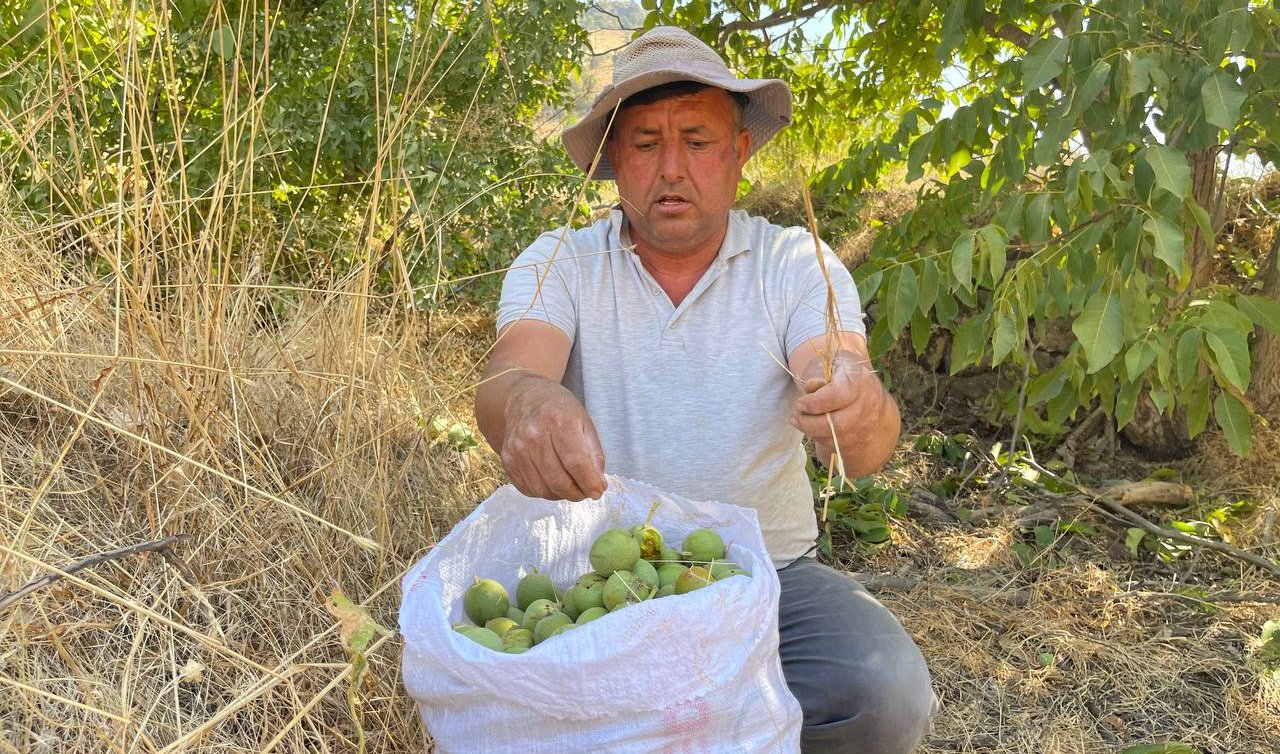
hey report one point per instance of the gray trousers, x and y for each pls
(860, 679)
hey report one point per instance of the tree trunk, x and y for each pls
(1157, 435)
(1264, 390)
(1204, 189)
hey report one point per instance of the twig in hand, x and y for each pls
(832, 338)
(8, 598)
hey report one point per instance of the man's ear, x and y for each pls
(610, 148)
(744, 147)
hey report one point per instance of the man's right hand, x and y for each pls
(547, 442)
(551, 449)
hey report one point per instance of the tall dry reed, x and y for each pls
(159, 393)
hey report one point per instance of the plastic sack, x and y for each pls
(697, 673)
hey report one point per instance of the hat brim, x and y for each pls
(767, 111)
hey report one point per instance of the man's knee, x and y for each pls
(885, 710)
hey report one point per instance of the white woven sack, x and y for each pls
(697, 673)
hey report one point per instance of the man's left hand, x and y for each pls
(851, 412)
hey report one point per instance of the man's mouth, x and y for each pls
(671, 201)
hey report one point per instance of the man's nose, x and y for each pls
(672, 162)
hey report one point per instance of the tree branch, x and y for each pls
(1118, 510)
(777, 18)
(1008, 32)
(596, 7)
(8, 598)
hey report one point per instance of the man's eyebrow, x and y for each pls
(648, 130)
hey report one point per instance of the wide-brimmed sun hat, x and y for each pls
(663, 55)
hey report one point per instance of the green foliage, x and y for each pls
(1168, 747)
(1046, 546)
(1202, 523)
(1058, 151)
(454, 434)
(1266, 659)
(410, 134)
(858, 507)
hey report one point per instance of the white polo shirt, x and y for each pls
(693, 399)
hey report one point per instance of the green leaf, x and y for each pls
(867, 277)
(1091, 88)
(991, 243)
(1043, 62)
(1231, 352)
(1100, 329)
(1036, 223)
(930, 282)
(921, 331)
(946, 308)
(1161, 398)
(1200, 216)
(1049, 384)
(902, 294)
(1138, 358)
(952, 31)
(1167, 241)
(1197, 402)
(1126, 403)
(967, 345)
(1221, 315)
(1132, 538)
(1052, 136)
(1188, 356)
(1169, 165)
(1233, 418)
(1163, 748)
(1138, 78)
(223, 42)
(1222, 96)
(1006, 337)
(1265, 312)
(962, 260)
(918, 155)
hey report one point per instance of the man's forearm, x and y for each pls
(491, 401)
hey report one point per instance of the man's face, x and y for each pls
(678, 162)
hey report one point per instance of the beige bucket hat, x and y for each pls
(663, 55)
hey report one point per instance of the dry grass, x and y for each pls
(158, 397)
(276, 451)
(1091, 650)
(1086, 664)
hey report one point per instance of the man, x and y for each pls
(683, 343)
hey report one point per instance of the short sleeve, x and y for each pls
(541, 284)
(808, 313)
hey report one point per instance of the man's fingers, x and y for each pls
(811, 385)
(583, 462)
(551, 449)
(827, 398)
(816, 426)
(549, 481)
(842, 415)
(850, 382)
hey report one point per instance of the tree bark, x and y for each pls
(1204, 189)
(1264, 390)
